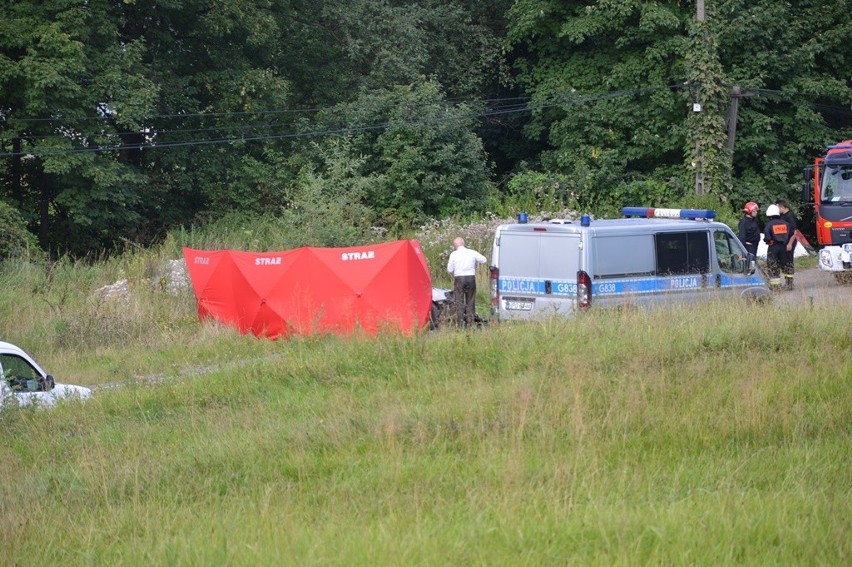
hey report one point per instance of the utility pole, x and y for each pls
(699, 156)
(736, 94)
(732, 117)
(17, 172)
(707, 155)
(696, 107)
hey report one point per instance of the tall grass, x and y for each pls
(715, 436)
(718, 435)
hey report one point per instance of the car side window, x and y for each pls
(19, 374)
(682, 253)
(730, 257)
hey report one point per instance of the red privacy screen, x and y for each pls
(314, 290)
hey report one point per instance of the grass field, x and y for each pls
(721, 435)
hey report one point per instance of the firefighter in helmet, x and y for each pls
(749, 231)
(776, 234)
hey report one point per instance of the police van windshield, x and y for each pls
(837, 184)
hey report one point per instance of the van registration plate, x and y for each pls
(519, 305)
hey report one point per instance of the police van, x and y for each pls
(651, 256)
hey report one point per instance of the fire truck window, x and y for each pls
(845, 189)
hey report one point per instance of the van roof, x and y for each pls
(610, 225)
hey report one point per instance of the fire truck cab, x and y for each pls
(828, 187)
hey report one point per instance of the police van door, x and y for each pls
(684, 272)
(538, 273)
(735, 275)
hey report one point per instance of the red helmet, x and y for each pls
(750, 207)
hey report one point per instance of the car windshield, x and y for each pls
(837, 184)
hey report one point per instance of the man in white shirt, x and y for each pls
(462, 265)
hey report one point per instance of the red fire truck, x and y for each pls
(828, 186)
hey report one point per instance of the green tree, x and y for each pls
(606, 80)
(69, 93)
(792, 61)
(422, 157)
(377, 44)
(120, 120)
(613, 83)
(326, 200)
(222, 101)
(14, 236)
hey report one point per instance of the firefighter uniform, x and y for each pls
(749, 233)
(788, 268)
(776, 234)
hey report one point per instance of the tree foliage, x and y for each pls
(792, 60)
(123, 120)
(15, 239)
(614, 82)
(67, 90)
(421, 156)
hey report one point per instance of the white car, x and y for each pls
(23, 382)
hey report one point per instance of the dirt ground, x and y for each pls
(815, 287)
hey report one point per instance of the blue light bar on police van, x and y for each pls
(650, 213)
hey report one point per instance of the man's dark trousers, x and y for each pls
(464, 292)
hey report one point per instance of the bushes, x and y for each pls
(15, 239)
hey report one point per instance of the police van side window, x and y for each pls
(623, 256)
(682, 252)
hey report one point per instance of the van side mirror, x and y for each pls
(49, 383)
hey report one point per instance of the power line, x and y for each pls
(152, 131)
(266, 137)
(243, 138)
(107, 117)
(155, 131)
(258, 113)
(523, 106)
(518, 107)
